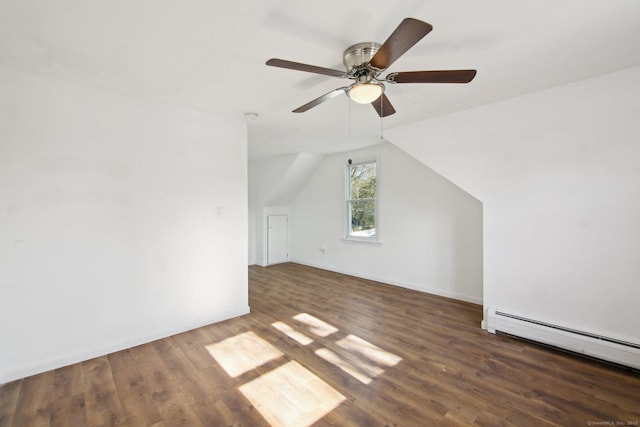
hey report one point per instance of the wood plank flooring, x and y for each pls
(320, 348)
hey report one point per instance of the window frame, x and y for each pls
(348, 201)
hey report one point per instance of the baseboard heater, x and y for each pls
(593, 345)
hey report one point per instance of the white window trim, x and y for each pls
(376, 240)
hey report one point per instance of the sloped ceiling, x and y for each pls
(209, 55)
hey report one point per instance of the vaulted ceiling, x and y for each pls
(209, 55)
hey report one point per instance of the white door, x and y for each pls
(277, 239)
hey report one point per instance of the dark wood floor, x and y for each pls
(327, 349)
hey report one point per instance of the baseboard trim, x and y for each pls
(18, 372)
(388, 281)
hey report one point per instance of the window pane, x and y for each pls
(363, 218)
(363, 181)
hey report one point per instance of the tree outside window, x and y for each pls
(361, 200)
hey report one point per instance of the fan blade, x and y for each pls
(320, 100)
(409, 32)
(445, 76)
(383, 106)
(275, 62)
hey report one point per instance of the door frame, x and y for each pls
(269, 235)
(273, 210)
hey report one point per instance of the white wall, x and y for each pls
(431, 231)
(558, 173)
(265, 179)
(122, 221)
(273, 184)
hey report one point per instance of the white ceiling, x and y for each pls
(209, 55)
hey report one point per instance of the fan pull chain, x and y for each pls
(381, 118)
(349, 103)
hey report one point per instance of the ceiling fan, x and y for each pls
(366, 61)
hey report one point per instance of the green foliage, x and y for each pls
(363, 194)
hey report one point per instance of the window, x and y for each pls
(361, 200)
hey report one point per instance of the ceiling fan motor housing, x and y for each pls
(356, 58)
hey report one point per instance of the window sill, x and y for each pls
(362, 241)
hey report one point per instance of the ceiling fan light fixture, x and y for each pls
(365, 93)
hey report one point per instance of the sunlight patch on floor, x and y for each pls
(359, 370)
(357, 345)
(243, 353)
(291, 395)
(316, 326)
(352, 354)
(292, 333)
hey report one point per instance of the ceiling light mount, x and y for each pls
(251, 116)
(357, 57)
